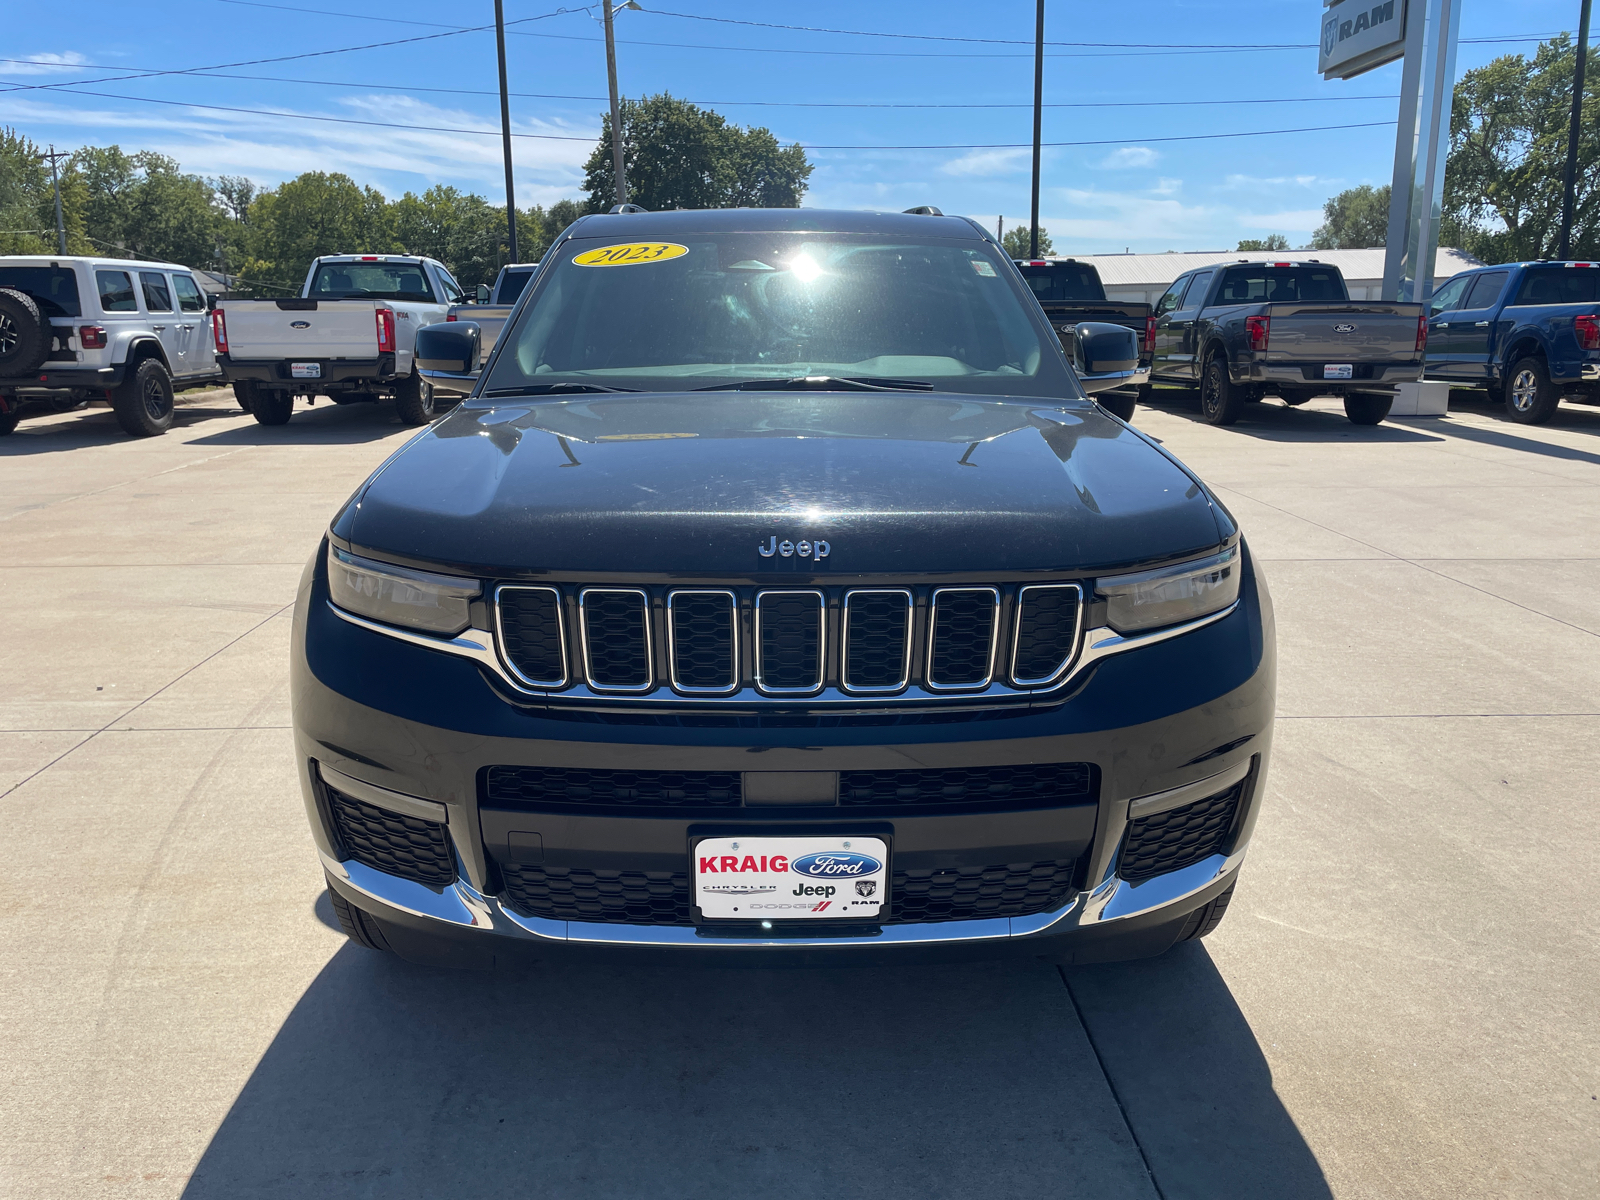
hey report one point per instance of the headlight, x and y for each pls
(400, 596)
(1171, 595)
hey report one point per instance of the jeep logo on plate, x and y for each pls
(835, 864)
(803, 548)
(1344, 328)
(299, 324)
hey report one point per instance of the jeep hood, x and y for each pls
(692, 484)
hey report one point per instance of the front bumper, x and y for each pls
(413, 731)
(334, 370)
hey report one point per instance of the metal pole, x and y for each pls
(55, 178)
(616, 109)
(1570, 186)
(1038, 122)
(1427, 82)
(505, 131)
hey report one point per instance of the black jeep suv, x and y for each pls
(778, 589)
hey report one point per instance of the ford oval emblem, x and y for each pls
(835, 864)
(299, 324)
(1344, 328)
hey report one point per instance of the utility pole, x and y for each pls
(55, 178)
(505, 131)
(1569, 188)
(616, 109)
(1000, 230)
(1038, 122)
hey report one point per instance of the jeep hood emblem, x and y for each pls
(804, 549)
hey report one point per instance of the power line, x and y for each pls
(1122, 141)
(873, 104)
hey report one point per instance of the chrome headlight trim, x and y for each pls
(1211, 582)
(387, 599)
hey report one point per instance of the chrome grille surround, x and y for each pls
(934, 634)
(509, 658)
(845, 644)
(770, 595)
(597, 595)
(1016, 633)
(674, 606)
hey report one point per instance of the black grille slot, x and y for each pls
(704, 657)
(969, 893)
(962, 649)
(542, 787)
(610, 897)
(789, 641)
(1179, 837)
(877, 636)
(1046, 785)
(616, 626)
(530, 634)
(392, 842)
(1047, 633)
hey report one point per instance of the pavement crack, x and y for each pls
(1105, 1074)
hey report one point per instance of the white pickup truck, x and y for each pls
(349, 336)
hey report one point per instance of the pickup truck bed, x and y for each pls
(1070, 292)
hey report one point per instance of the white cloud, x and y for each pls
(1300, 218)
(43, 64)
(1254, 181)
(989, 162)
(1167, 187)
(1155, 220)
(1128, 158)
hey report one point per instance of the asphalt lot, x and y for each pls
(1401, 1002)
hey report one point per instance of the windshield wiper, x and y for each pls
(824, 383)
(546, 389)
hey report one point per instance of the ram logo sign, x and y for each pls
(1358, 35)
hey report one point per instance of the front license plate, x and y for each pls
(1338, 371)
(791, 878)
(305, 370)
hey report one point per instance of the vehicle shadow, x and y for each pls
(607, 1079)
(80, 428)
(1273, 421)
(322, 424)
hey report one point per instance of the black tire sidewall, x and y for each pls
(1215, 382)
(1364, 409)
(128, 401)
(1546, 396)
(414, 400)
(1119, 404)
(272, 407)
(9, 420)
(244, 392)
(33, 342)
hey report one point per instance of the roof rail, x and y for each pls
(627, 208)
(924, 210)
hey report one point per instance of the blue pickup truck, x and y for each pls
(1528, 333)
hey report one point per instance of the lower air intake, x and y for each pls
(972, 893)
(1179, 837)
(392, 842)
(608, 897)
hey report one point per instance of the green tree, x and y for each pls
(1273, 241)
(25, 196)
(313, 214)
(1018, 241)
(551, 223)
(679, 155)
(143, 205)
(1508, 152)
(465, 232)
(1355, 219)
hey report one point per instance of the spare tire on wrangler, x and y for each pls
(24, 336)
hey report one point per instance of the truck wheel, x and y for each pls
(1367, 408)
(24, 336)
(413, 399)
(1221, 402)
(360, 927)
(9, 418)
(143, 400)
(1119, 405)
(1531, 398)
(272, 408)
(1207, 917)
(244, 391)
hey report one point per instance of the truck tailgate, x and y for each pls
(1355, 331)
(294, 329)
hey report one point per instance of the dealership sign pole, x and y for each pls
(1358, 35)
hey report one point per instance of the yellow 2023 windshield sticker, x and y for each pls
(630, 254)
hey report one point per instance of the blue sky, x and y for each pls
(1131, 191)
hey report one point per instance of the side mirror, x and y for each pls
(1106, 356)
(447, 355)
(483, 293)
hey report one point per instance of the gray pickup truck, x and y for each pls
(1070, 292)
(1245, 330)
(495, 305)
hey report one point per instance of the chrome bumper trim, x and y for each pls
(1200, 789)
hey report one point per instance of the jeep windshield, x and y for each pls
(718, 310)
(370, 281)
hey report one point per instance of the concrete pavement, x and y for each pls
(1401, 1001)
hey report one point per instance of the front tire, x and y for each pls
(143, 401)
(1531, 398)
(1207, 917)
(359, 926)
(1221, 401)
(413, 399)
(1366, 408)
(272, 408)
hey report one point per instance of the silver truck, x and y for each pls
(348, 336)
(1245, 330)
(494, 305)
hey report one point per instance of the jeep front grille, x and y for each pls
(828, 645)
